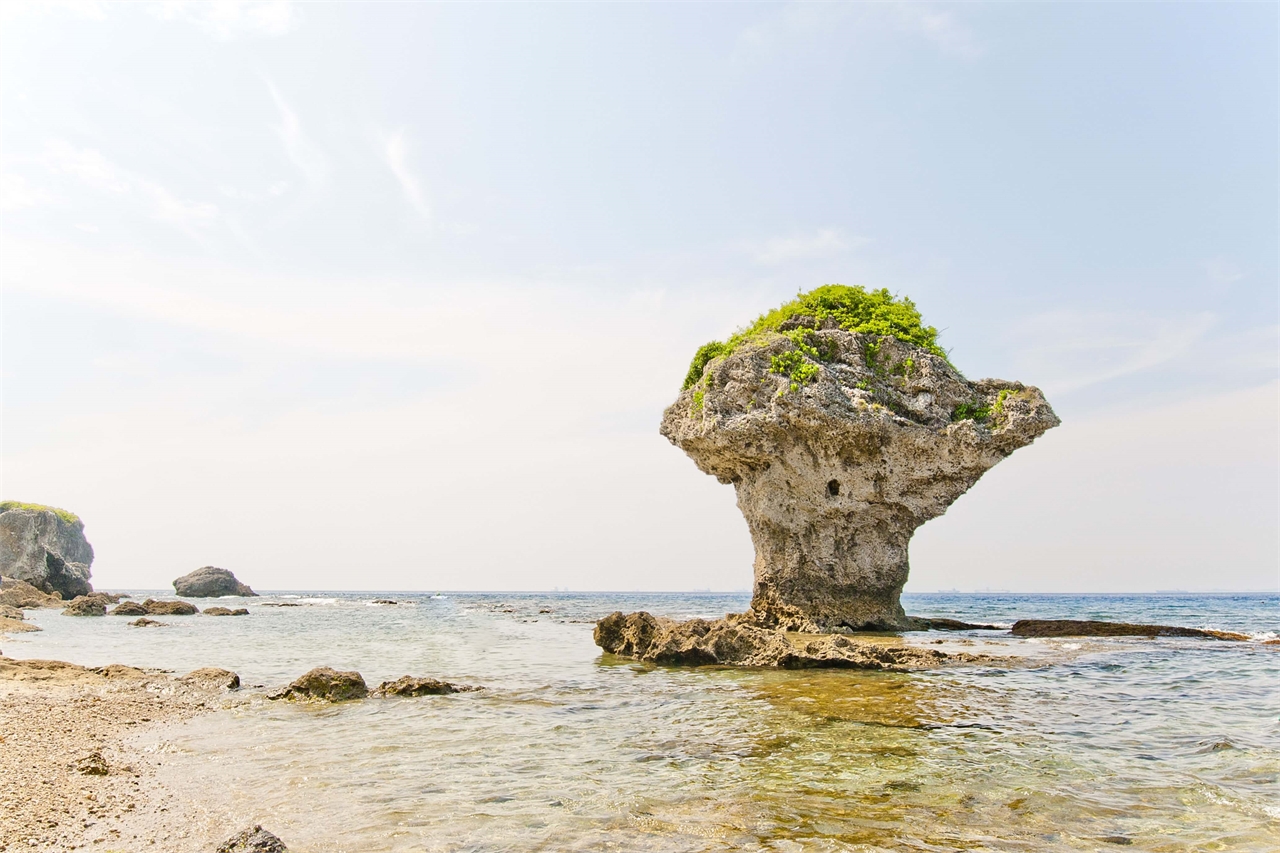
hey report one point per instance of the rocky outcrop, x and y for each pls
(255, 839)
(169, 608)
(45, 547)
(93, 604)
(226, 611)
(1091, 628)
(212, 676)
(17, 593)
(737, 640)
(325, 684)
(408, 685)
(840, 445)
(211, 582)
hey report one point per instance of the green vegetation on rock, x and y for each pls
(65, 515)
(854, 309)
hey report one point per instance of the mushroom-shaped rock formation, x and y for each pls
(45, 546)
(843, 427)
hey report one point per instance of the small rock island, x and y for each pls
(843, 427)
(211, 582)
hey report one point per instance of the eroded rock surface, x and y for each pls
(211, 582)
(409, 685)
(93, 604)
(46, 548)
(16, 593)
(325, 684)
(226, 611)
(835, 473)
(169, 608)
(737, 640)
(255, 839)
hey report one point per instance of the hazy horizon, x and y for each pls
(400, 291)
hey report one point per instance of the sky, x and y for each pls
(392, 296)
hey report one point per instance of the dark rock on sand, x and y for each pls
(169, 608)
(253, 840)
(93, 604)
(226, 611)
(211, 582)
(738, 640)
(16, 593)
(408, 685)
(130, 608)
(45, 547)
(144, 622)
(1090, 628)
(93, 764)
(325, 684)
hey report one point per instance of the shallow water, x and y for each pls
(1168, 745)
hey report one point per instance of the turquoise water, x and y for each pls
(1162, 745)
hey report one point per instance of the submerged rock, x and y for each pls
(408, 685)
(253, 840)
(45, 547)
(737, 641)
(169, 608)
(211, 582)
(144, 622)
(325, 684)
(843, 428)
(226, 611)
(1091, 628)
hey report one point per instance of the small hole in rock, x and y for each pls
(833, 488)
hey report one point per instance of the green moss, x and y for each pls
(68, 517)
(698, 398)
(854, 309)
(971, 412)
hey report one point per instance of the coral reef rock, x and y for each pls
(1092, 628)
(211, 582)
(144, 622)
(213, 677)
(325, 684)
(255, 839)
(93, 604)
(226, 611)
(835, 469)
(738, 641)
(408, 685)
(130, 608)
(169, 608)
(45, 547)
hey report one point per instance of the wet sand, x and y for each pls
(72, 779)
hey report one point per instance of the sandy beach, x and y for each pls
(64, 743)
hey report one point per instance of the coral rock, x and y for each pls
(408, 685)
(253, 840)
(835, 473)
(325, 684)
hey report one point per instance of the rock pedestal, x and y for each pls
(835, 472)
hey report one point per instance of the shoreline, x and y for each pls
(67, 743)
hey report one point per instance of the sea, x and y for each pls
(1071, 744)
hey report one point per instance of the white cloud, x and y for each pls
(301, 151)
(824, 243)
(86, 164)
(95, 170)
(941, 28)
(17, 194)
(797, 25)
(1069, 350)
(1222, 273)
(394, 149)
(231, 18)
